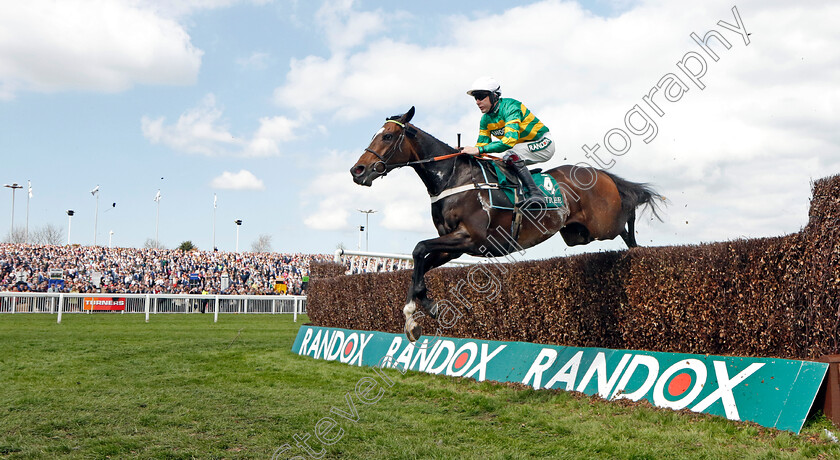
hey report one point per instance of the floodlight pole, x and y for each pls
(28, 196)
(14, 187)
(70, 213)
(238, 223)
(214, 222)
(367, 225)
(96, 216)
(157, 220)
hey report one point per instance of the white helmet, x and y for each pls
(486, 84)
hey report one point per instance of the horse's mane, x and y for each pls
(429, 139)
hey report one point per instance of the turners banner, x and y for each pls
(105, 303)
(775, 393)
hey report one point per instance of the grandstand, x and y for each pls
(94, 269)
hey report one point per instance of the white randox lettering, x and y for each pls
(450, 349)
(395, 345)
(313, 347)
(326, 343)
(481, 367)
(469, 347)
(305, 341)
(534, 146)
(599, 366)
(652, 366)
(567, 373)
(541, 363)
(336, 346)
(360, 350)
(724, 391)
(405, 356)
(424, 355)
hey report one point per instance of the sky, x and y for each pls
(267, 104)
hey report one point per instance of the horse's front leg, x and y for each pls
(427, 255)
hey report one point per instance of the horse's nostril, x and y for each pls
(358, 170)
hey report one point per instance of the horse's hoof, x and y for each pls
(413, 330)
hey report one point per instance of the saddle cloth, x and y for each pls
(509, 186)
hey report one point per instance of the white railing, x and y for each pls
(149, 304)
(363, 261)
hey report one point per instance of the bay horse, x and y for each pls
(599, 205)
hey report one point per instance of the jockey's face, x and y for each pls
(482, 100)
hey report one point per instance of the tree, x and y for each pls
(262, 244)
(152, 244)
(48, 235)
(187, 246)
(16, 236)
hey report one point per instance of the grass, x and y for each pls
(181, 387)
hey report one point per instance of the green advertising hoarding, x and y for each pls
(775, 393)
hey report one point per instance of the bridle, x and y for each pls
(382, 167)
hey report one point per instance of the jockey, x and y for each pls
(522, 138)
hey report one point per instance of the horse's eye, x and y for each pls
(387, 137)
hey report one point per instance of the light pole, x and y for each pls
(367, 225)
(361, 230)
(70, 213)
(14, 187)
(95, 192)
(28, 196)
(214, 222)
(157, 219)
(238, 223)
(110, 234)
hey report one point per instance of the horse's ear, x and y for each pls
(408, 115)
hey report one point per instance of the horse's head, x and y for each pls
(388, 148)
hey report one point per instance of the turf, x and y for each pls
(182, 387)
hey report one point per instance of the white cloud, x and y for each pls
(243, 180)
(256, 61)
(272, 132)
(180, 8)
(199, 130)
(345, 27)
(203, 130)
(99, 45)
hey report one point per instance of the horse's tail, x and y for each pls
(635, 194)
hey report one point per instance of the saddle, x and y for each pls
(510, 187)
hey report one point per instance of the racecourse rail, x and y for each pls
(150, 304)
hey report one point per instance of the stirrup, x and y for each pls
(531, 201)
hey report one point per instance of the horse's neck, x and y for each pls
(438, 175)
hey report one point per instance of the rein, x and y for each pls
(384, 161)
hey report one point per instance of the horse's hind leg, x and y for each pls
(629, 234)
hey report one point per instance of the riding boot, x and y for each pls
(533, 194)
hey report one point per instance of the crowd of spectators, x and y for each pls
(354, 265)
(27, 267)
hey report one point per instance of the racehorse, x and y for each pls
(599, 205)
